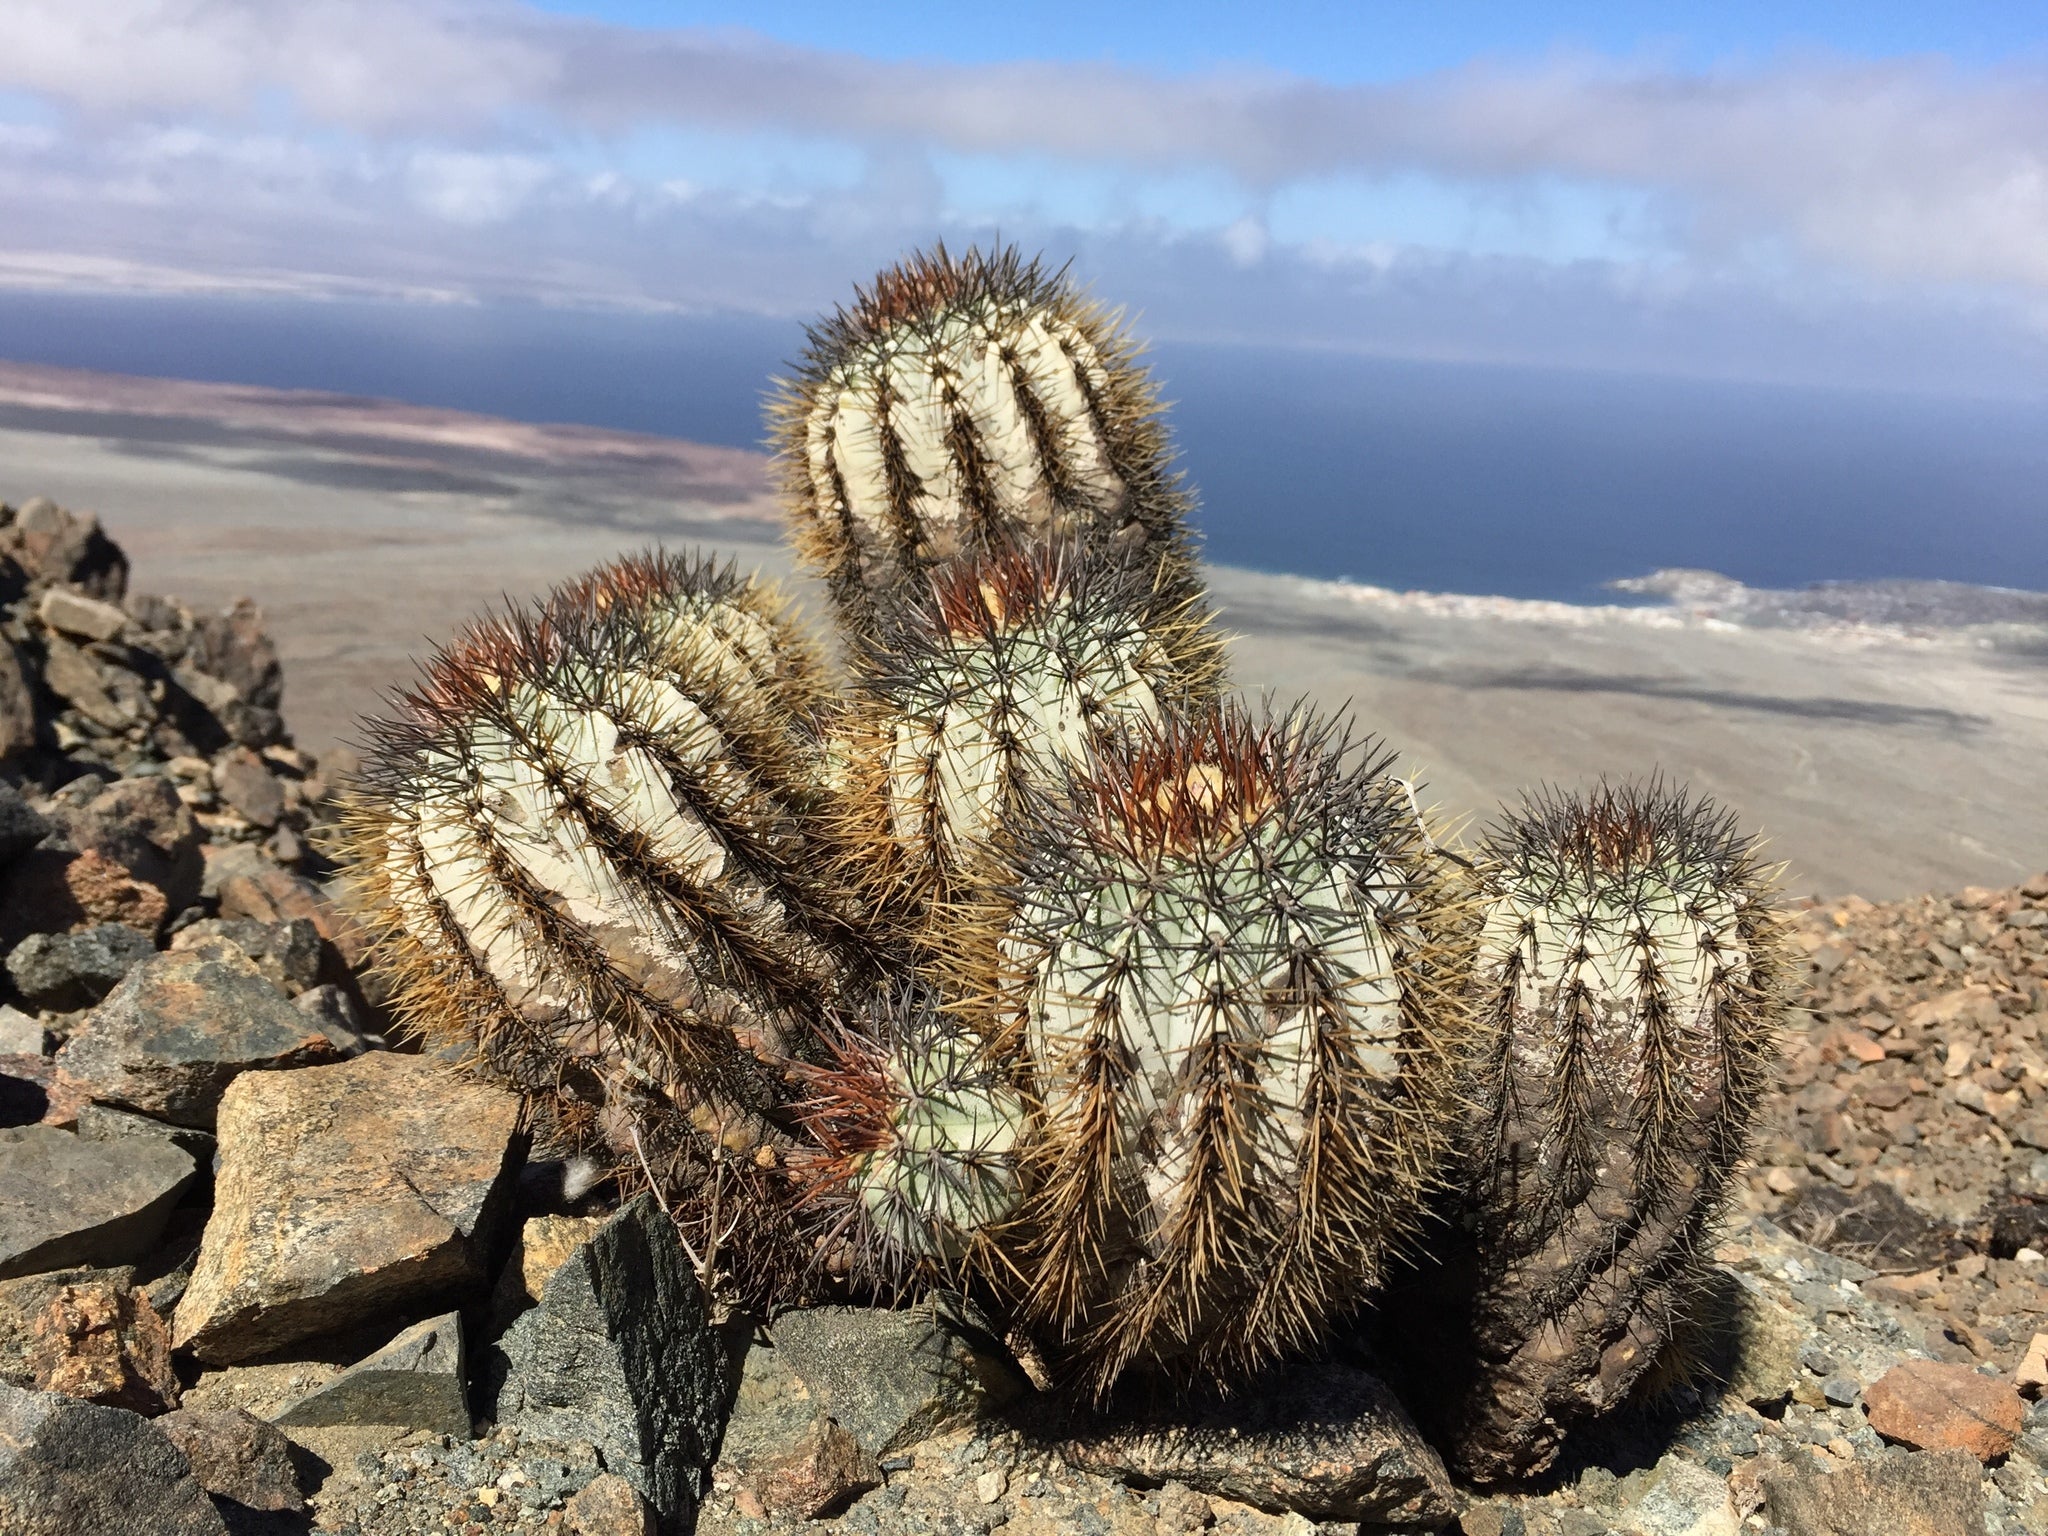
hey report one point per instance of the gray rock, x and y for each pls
(54, 545)
(103, 695)
(20, 827)
(102, 1122)
(68, 971)
(335, 1017)
(895, 1378)
(22, 1034)
(17, 712)
(143, 826)
(73, 613)
(69, 1468)
(72, 1201)
(180, 1027)
(1326, 1441)
(237, 1456)
(1928, 1493)
(249, 789)
(343, 1193)
(417, 1380)
(1684, 1499)
(289, 954)
(621, 1353)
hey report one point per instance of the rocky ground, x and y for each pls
(260, 1272)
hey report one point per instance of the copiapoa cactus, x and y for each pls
(1007, 670)
(583, 841)
(967, 400)
(1628, 982)
(1229, 969)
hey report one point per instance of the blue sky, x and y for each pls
(1840, 193)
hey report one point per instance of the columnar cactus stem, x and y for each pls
(1630, 982)
(964, 400)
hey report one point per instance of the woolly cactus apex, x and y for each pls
(964, 399)
(915, 1125)
(578, 841)
(1011, 667)
(1233, 965)
(1630, 978)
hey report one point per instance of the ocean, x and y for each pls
(1523, 482)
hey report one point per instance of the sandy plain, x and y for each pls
(1881, 760)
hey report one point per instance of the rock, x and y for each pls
(234, 647)
(17, 703)
(102, 1122)
(70, 1468)
(34, 1092)
(330, 1011)
(621, 1354)
(343, 1192)
(1873, 1226)
(54, 545)
(25, 1299)
(825, 1470)
(608, 1505)
(21, 1034)
(1765, 1340)
(249, 790)
(74, 1202)
(288, 954)
(72, 613)
(21, 828)
(2031, 1377)
(894, 1378)
(103, 695)
(143, 826)
(51, 889)
(1933, 1406)
(1683, 1499)
(237, 1456)
(68, 971)
(542, 1247)
(1935, 1494)
(417, 1381)
(102, 1341)
(180, 1028)
(1325, 1441)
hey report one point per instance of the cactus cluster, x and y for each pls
(1016, 957)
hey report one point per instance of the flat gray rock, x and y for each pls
(895, 1378)
(417, 1380)
(74, 1202)
(69, 1468)
(69, 971)
(180, 1027)
(621, 1354)
(1326, 1441)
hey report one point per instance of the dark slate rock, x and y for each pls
(102, 1122)
(68, 971)
(68, 1468)
(290, 953)
(20, 827)
(417, 1380)
(237, 1456)
(621, 1354)
(143, 826)
(895, 1378)
(1929, 1493)
(71, 1201)
(1326, 1441)
(180, 1027)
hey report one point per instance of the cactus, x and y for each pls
(583, 842)
(1228, 965)
(1629, 981)
(964, 400)
(1011, 667)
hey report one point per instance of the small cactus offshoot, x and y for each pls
(964, 400)
(1629, 981)
(1234, 970)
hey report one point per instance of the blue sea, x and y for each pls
(1524, 482)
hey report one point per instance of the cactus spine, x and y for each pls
(1630, 978)
(964, 400)
(1228, 953)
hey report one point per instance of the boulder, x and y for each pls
(1930, 1405)
(181, 1027)
(621, 1354)
(73, 1202)
(1326, 1441)
(101, 1340)
(1935, 1494)
(69, 1467)
(23, 1301)
(894, 1378)
(289, 954)
(237, 1456)
(102, 1122)
(65, 972)
(344, 1192)
(417, 1381)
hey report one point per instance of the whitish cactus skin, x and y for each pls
(1630, 982)
(965, 399)
(1009, 670)
(1231, 970)
(583, 843)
